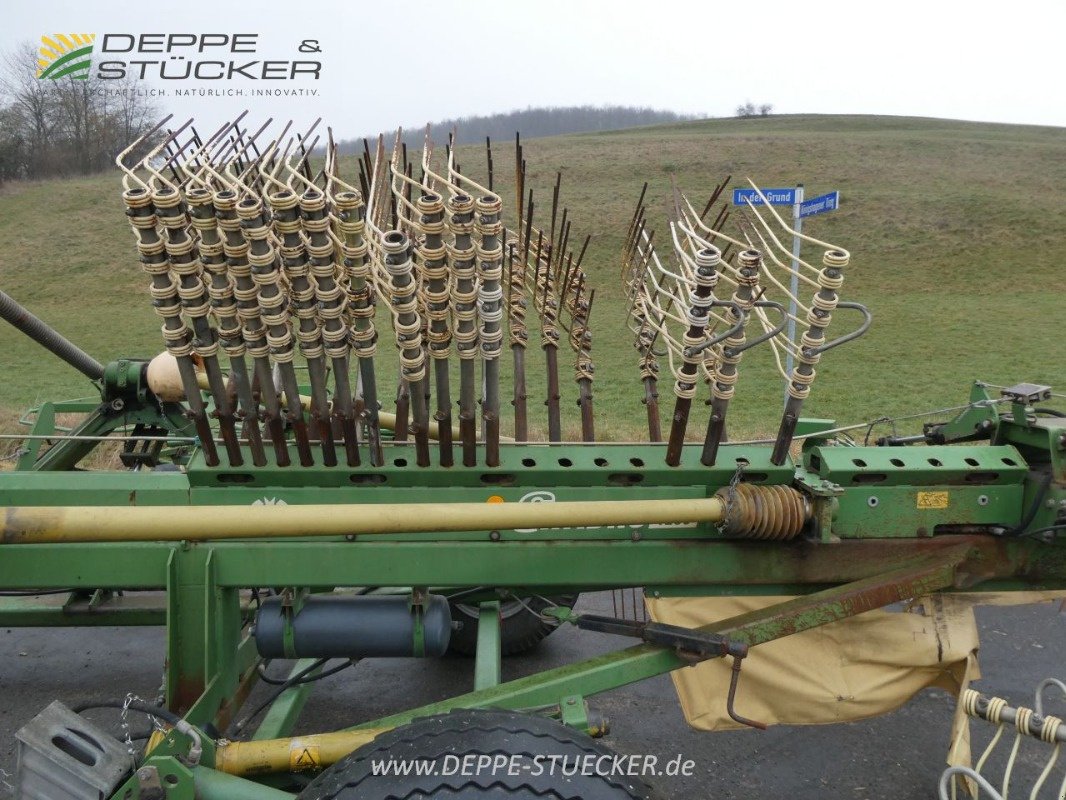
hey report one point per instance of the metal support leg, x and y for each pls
(487, 658)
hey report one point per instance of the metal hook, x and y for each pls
(855, 334)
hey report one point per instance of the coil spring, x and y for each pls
(775, 513)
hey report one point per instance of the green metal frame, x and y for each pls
(888, 523)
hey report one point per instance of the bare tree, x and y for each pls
(50, 127)
(29, 103)
(749, 109)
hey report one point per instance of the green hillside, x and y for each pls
(957, 232)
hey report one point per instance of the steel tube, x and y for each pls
(42, 333)
(278, 755)
(217, 785)
(62, 524)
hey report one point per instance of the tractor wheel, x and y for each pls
(533, 758)
(521, 627)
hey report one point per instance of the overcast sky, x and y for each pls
(386, 64)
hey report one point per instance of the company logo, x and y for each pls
(65, 55)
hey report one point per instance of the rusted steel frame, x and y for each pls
(923, 575)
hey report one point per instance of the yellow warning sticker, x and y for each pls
(304, 757)
(932, 499)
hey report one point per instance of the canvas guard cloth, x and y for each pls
(841, 672)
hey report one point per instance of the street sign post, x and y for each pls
(800, 209)
(777, 197)
(820, 204)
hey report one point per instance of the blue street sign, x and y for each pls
(819, 205)
(777, 197)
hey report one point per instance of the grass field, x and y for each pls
(957, 232)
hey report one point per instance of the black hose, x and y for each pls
(49, 338)
(301, 677)
(1050, 412)
(144, 708)
(1038, 501)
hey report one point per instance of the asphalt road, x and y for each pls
(897, 756)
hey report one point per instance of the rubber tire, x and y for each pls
(475, 732)
(519, 632)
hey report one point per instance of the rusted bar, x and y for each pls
(438, 304)
(155, 262)
(273, 305)
(464, 303)
(584, 366)
(224, 304)
(330, 299)
(830, 279)
(287, 223)
(172, 209)
(489, 229)
(518, 331)
(350, 212)
(235, 248)
(706, 276)
(403, 288)
(724, 384)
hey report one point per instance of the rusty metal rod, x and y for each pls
(48, 338)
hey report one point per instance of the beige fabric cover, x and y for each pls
(844, 671)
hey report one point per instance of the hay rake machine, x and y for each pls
(285, 514)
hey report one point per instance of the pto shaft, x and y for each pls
(41, 524)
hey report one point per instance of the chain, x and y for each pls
(132, 698)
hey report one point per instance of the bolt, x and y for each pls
(494, 536)
(636, 535)
(571, 701)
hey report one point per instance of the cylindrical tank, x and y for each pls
(334, 626)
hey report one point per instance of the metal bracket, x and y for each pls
(292, 600)
(149, 787)
(691, 644)
(688, 642)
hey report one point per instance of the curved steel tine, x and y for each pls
(129, 173)
(742, 318)
(769, 334)
(868, 319)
